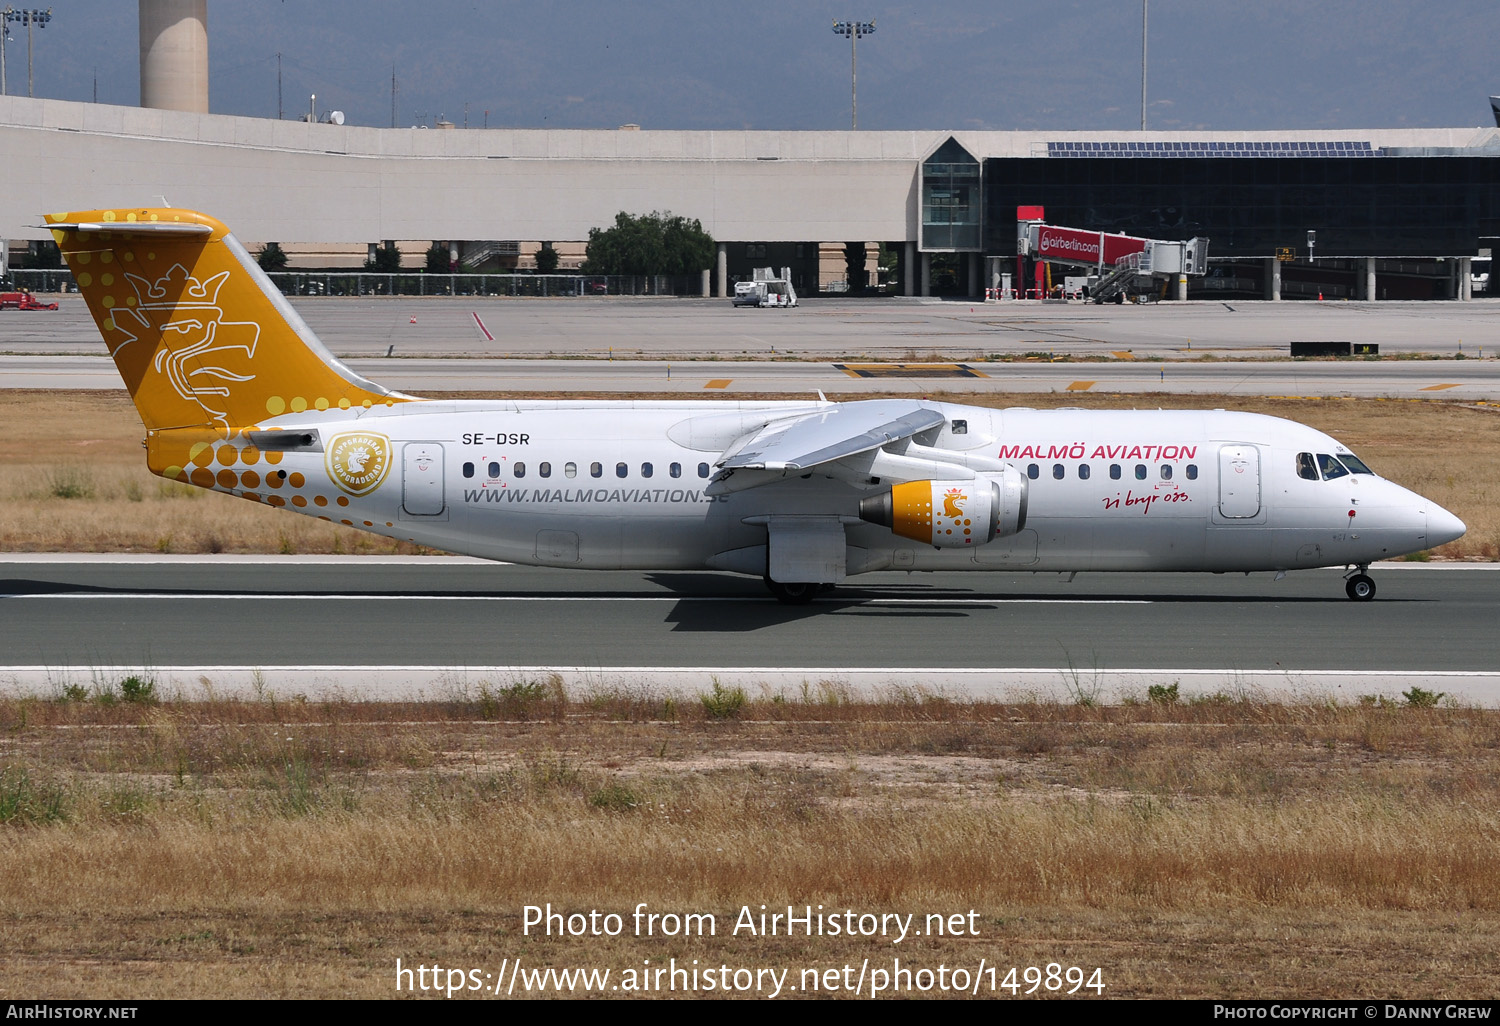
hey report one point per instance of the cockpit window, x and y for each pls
(1355, 464)
(1331, 467)
(1306, 468)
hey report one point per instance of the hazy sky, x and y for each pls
(776, 64)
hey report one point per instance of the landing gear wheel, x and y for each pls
(1360, 587)
(793, 593)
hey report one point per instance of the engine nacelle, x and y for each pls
(952, 514)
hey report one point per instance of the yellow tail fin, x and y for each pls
(201, 336)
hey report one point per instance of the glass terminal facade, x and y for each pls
(1358, 200)
(952, 187)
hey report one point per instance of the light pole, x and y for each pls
(853, 30)
(1144, 4)
(5, 20)
(27, 17)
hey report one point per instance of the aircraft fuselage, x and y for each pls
(622, 485)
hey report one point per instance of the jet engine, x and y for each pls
(952, 514)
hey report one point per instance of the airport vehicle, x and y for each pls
(766, 288)
(749, 293)
(1479, 276)
(23, 300)
(237, 395)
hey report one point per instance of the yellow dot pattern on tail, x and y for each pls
(208, 347)
(199, 333)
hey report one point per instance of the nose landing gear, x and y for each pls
(1359, 585)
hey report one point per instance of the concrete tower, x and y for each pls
(174, 54)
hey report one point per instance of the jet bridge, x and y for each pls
(1120, 264)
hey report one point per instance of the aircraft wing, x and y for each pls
(847, 429)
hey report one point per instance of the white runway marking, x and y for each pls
(139, 596)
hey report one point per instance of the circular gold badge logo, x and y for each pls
(358, 462)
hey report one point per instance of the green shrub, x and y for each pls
(138, 689)
(723, 703)
(1421, 698)
(1162, 694)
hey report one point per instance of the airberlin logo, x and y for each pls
(358, 462)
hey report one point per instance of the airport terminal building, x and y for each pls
(1396, 214)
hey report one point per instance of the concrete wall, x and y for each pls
(297, 182)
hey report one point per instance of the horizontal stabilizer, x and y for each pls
(147, 229)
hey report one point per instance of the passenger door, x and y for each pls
(422, 479)
(1239, 481)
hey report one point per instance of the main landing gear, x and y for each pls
(795, 593)
(1359, 586)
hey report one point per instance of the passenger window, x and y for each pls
(1033, 471)
(1166, 471)
(646, 470)
(1331, 467)
(675, 470)
(468, 470)
(1306, 468)
(570, 469)
(1058, 470)
(596, 470)
(519, 469)
(960, 427)
(1140, 472)
(544, 469)
(494, 469)
(621, 469)
(703, 470)
(1192, 471)
(1083, 471)
(1114, 472)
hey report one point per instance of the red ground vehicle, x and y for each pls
(23, 301)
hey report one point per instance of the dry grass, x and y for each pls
(1216, 849)
(73, 477)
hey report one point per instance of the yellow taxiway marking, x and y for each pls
(1437, 388)
(909, 370)
(1123, 354)
(1080, 386)
(718, 383)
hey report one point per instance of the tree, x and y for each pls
(546, 259)
(387, 260)
(437, 258)
(271, 257)
(654, 243)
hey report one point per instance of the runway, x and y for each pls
(830, 330)
(384, 627)
(1470, 380)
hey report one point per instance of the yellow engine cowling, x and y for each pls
(952, 514)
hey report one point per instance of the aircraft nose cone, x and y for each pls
(1443, 527)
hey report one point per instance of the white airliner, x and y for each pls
(238, 396)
